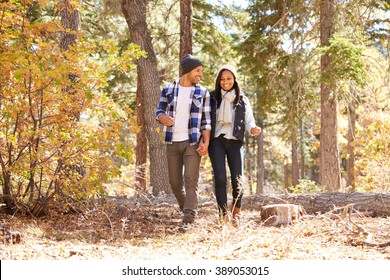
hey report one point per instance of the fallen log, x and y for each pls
(377, 203)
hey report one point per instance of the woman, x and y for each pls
(231, 116)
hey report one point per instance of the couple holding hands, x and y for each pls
(197, 122)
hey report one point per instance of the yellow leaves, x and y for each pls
(123, 62)
(43, 29)
(44, 92)
(5, 69)
(109, 46)
(12, 139)
(372, 150)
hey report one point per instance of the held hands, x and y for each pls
(202, 148)
(255, 130)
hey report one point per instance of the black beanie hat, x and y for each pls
(189, 63)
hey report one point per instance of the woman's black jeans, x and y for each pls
(221, 149)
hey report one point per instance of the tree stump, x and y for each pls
(281, 214)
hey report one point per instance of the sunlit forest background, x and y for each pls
(72, 116)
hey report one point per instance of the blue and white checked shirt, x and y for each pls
(199, 110)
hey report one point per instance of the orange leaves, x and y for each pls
(59, 130)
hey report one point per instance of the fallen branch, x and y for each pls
(379, 245)
(357, 230)
(236, 247)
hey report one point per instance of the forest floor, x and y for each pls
(148, 229)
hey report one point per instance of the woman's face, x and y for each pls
(227, 80)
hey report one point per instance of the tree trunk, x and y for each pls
(302, 150)
(70, 21)
(7, 197)
(329, 153)
(378, 203)
(286, 173)
(135, 15)
(142, 147)
(260, 164)
(185, 28)
(294, 163)
(248, 164)
(351, 141)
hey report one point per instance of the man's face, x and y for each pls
(195, 75)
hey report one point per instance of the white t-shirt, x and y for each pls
(182, 116)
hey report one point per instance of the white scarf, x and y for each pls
(225, 112)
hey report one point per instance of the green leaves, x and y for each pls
(347, 61)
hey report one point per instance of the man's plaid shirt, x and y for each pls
(200, 111)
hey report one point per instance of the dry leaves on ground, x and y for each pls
(146, 229)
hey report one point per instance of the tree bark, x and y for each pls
(185, 28)
(302, 151)
(70, 21)
(351, 141)
(286, 173)
(135, 15)
(260, 164)
(142, 147)
(294, 163)
(378, 203)
(329, 153)
(248, 165)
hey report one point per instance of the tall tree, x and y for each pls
(149, 87)
(330, 176)
(351, 140)
(277, 55)
(185, 28)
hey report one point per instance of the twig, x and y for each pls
(379, 245)
(348, 209)
(237, 246)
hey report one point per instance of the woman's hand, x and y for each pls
(255, 130)
(202, 148)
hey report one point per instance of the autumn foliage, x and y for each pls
(57, 133)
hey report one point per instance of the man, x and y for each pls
(184, 110)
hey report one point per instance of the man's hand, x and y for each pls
(202, 148)
(166, 120)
